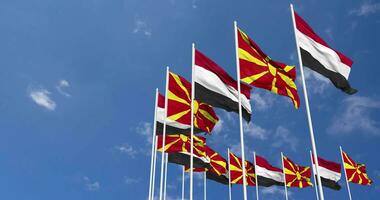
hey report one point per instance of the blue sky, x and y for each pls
(77, 85)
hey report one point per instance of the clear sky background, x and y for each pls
(77, 81)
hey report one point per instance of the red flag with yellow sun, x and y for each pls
(259, 70)
(356, 173)
(179, 105)
(296, 175)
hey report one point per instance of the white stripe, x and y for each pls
(328, 174)
(203, 159)
(274, 175)
(169, 122)
(326, 56)
(212, 82)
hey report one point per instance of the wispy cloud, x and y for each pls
(142, 28)
(329, 33)
(62, 85)
(42, 98)
(218, 127)
(366, 8)
(356, 116)
(130, 180)
(283, 137)
(262, 100)
(91, 185)
(127, 149)
(316, 83)
(270, 191)
(256, 131)
(145, 129)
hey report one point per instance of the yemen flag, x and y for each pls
(179, 105)
(356, 173)
(329, 172)
(320, 57)
(259, 70)
(296, 175)
(178, 148)
(215, 87)
(218, 167)
(267, 175)
(236, 171)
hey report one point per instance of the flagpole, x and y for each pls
(192, 121)
(283, 173)
(315, 181)
(154, 163)
(153, 146)
(314, 148)
(257, 181)
(164, 133)
(229, 175)
(166, 174)
(204, 185)
(183, 182)
(240, 114)
(345, 174)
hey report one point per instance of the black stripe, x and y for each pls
(267, 182)
(215, 177)
(329, 183)
(220, 101)
(171, 130)
(337, 79)
(184, 159)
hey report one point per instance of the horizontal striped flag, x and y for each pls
(329, 172)
(215, 87)
(267, 175)
(319, 56)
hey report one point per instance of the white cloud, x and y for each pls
(145, 129)
(41, 97)
(218, 127)
(194, 4)
(130, 180)
(329, 33)
(366, 8)
(315, 82)
(127, 149)
(255, 131)
(356, 116)
(284, 138)
(62, 84)
(91, 185)
(262, 100)
(142, 27)
(274, 191)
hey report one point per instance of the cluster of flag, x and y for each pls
(188, 109)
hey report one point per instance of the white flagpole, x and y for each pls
(229, 176)
(166, 174)
(153, 146)
(240, 113)
(192, 121)
(183, 182)
(315, 181)
(257, 181)
(345, 174)
(164, 133)
(154, 163)
(283, 173)
(314, 147)
(204, 185)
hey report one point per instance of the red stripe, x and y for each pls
(161, 101)
(260, 161)
(330, 165)
(304, 28)
(203, 61)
